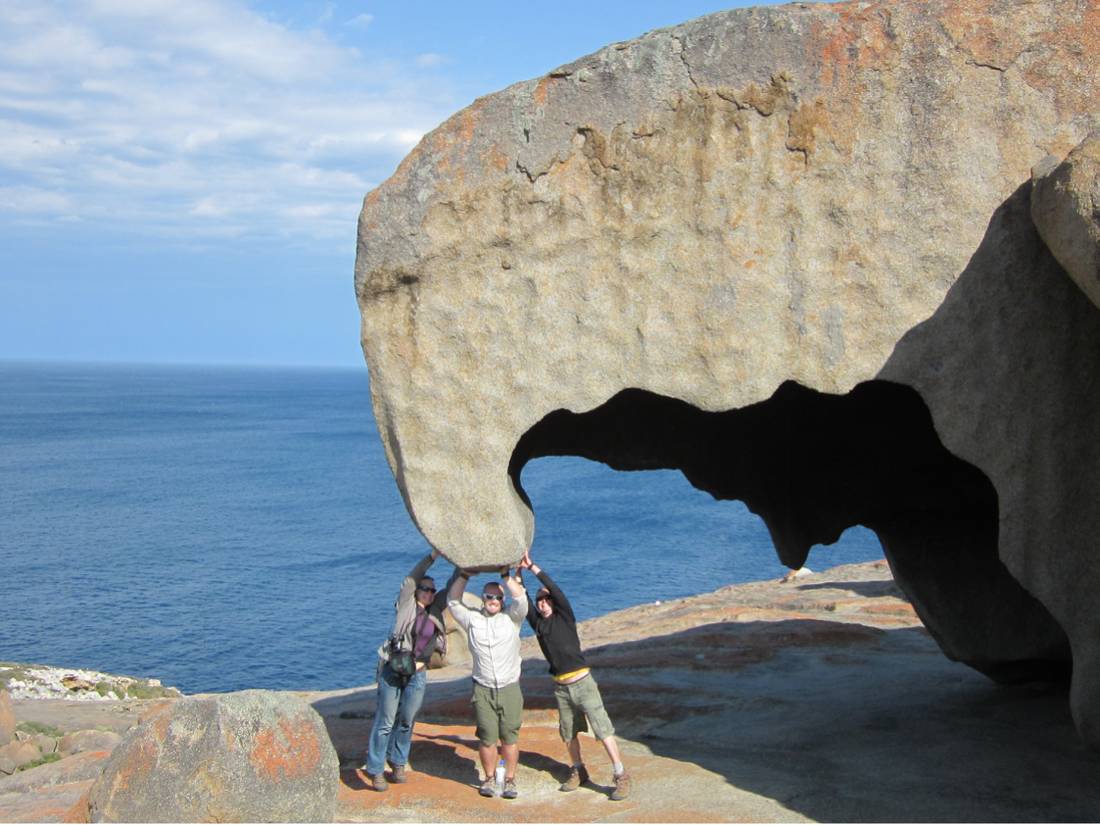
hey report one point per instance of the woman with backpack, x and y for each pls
(418, 631)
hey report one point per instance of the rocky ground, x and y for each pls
(47, 682)
(819, 699)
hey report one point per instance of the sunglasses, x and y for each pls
(491, 597)
(425, 589)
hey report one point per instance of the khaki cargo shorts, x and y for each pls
(499, 713)
(577, 701)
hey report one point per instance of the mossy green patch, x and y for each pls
(141, 690)
(40, 727)
(43, 760)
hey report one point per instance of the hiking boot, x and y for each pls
(488, 787)
(510, 790)
(378, 781)
(622, 787)
(399, 777)
(577, 777)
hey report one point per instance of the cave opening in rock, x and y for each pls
(813, 464)
(655, 535)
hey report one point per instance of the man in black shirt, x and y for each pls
(576, 691)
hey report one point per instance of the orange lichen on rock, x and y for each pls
(1010, 35)
(860, 40)
(79, 811)
(542, 91)
(291, 751)
(991, 39)
(144, 752)
(495, 158)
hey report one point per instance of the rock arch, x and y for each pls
(812, 464)
(831, 195)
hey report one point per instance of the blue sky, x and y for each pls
(180, 181)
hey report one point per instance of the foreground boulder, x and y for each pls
(789, 251)
(253, 756)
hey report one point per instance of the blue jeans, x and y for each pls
(394, 715)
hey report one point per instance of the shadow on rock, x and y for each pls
(840, 721)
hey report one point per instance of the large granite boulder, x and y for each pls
(789, 251)
(253, 756)
(1065, 205)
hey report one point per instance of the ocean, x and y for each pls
(222, 528)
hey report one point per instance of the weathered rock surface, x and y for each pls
(789, 251)
(252, 756)
(88, 740)
(52, 803)
(7, 718)
(1065, 205)
(78, 768)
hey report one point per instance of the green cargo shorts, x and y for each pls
(577, 701)
(499, 713)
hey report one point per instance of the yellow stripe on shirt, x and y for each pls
(563, 678)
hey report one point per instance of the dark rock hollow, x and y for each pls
(812, 464)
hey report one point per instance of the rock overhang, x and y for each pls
(722, 190)
(756, 197)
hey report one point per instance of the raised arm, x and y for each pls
(517, 610)
(408, 585)
(561, 604)
(439, 603)
(532, 609)
(460, 611)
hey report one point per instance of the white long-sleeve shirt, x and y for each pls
(493, 640)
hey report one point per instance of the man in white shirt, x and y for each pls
(493, 634)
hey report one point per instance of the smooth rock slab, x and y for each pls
(252, 756)
(54, 803)
(79, 768)
(88, 740)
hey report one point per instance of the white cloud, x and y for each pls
(30, 201)
(197, 118)
(361, 21)
(429, 60)
(209, 208)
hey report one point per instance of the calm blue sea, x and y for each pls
(222, 528)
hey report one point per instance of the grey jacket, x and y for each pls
(405, 610)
